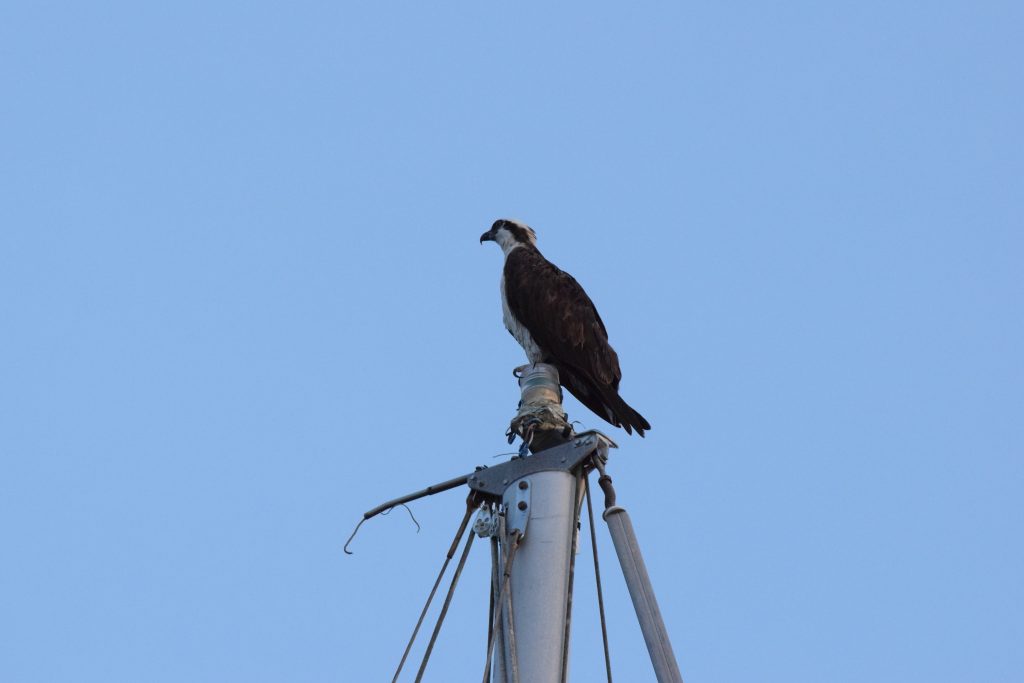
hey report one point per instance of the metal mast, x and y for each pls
(530, 508)
(541, 512)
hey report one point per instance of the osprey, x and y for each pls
(555, 322)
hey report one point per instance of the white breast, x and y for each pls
(522, 335)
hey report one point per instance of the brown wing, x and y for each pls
(560, 316)
(565, 324)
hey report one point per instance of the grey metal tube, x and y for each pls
(642, 593)
(540, 574)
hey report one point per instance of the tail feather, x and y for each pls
(627, 415)
(605, 402)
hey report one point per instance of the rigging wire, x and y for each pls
(383, 513)
(498, 623)
(444, 608)
(574, 545)
(597, 578)
(491, 606)
(506, 574)
(437, 582)
(350, 538)
(510, 630)
(407, 509)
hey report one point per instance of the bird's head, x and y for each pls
(510, 234)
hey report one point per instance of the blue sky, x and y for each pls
(243, 302)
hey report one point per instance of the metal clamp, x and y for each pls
(518, 512)
(494, 480)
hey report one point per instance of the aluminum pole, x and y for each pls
(642, 593)
(540, 573)
(543, 506)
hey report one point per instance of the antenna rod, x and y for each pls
(429, 491)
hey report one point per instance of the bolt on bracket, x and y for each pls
(517, 500)
(566, 457)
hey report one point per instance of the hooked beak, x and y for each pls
(487, 237)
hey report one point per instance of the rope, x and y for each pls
(494, 591)
(437, 582)
(510, 629)
(597, 577)
(444, 608)
(506, 575)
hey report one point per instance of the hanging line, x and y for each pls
(597, 577)
(437, 582)
(382, 514)
(506, 575)
(407, 509)
(510, 630)
(494, 593)
(506, 617)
